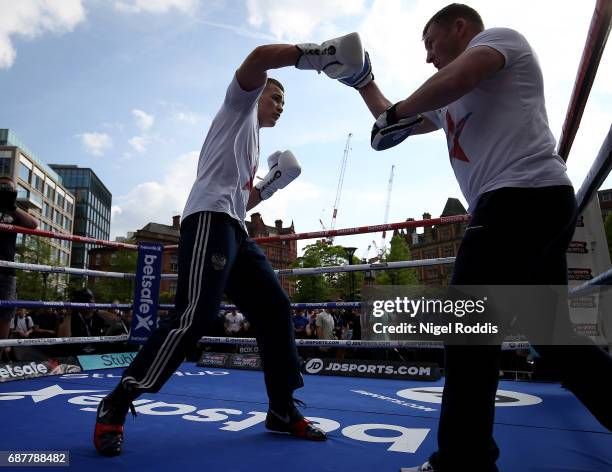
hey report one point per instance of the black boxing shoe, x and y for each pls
(110, 418)
(290, 420)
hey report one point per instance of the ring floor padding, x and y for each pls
(375, 425)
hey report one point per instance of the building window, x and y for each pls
(49, 192)
(24, 172)
(448, 251)
(174, 263)
(5, 166)
(98, 259)
(37, 181)
(59, 200)
(433, 254)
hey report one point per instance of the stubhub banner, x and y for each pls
(106, 361)
(146, 292)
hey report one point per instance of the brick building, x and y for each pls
(437, 241)
(605, 202)
(281, 254)
(101, 258)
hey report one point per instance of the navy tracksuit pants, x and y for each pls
(216, 256)
(517, 236)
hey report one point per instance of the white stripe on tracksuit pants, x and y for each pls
(217, 256)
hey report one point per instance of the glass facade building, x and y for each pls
(92, 208)
(40, 192)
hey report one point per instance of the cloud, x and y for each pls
(155, 6)
(96, 143)
(138, 143)
(33, 18)
(298, 20)
(143, 120)
(155, 201)
(237, 29)
(190, 117)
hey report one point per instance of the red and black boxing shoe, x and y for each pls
(290, 420)
(110, 418)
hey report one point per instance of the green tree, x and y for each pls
(608, 229)
(33, 285)
(166, 298)
(106, 289)
(399, 251)
(334, 286)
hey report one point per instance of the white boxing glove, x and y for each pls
(284, 168)
(338, 58)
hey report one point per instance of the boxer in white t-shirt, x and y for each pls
(488, 98)
(216, 254)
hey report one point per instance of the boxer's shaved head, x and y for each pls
(272, 81)
(451, 12)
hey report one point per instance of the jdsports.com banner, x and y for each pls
(373, 369)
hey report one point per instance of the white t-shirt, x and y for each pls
(498, 134)
(21, 325)
(325, 321)
(229, 157)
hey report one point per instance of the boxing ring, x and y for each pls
(212, 418)
(202, 420)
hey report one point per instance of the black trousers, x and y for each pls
(517, 236)
(217, 256)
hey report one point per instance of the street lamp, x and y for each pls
(350, 251)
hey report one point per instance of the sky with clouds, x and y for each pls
(129, 87)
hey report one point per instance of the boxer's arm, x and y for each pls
(22, 218)
(378, 103)
(374, 99)
(254, 199)
(453, 81)
(252, 73)
(338, 58)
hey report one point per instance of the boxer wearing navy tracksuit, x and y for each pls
(488, 98)
(217, 256)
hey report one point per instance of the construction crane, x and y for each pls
(347, 148)
(367, 252)
(389, 188)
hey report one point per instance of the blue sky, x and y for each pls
(129, 87)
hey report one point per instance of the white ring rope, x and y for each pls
(253, 342)
(54, 341)
(283, 272)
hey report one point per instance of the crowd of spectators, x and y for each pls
(51, 322)
(326, 324)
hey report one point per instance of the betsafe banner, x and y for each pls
(146, 292)
(29, 370)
